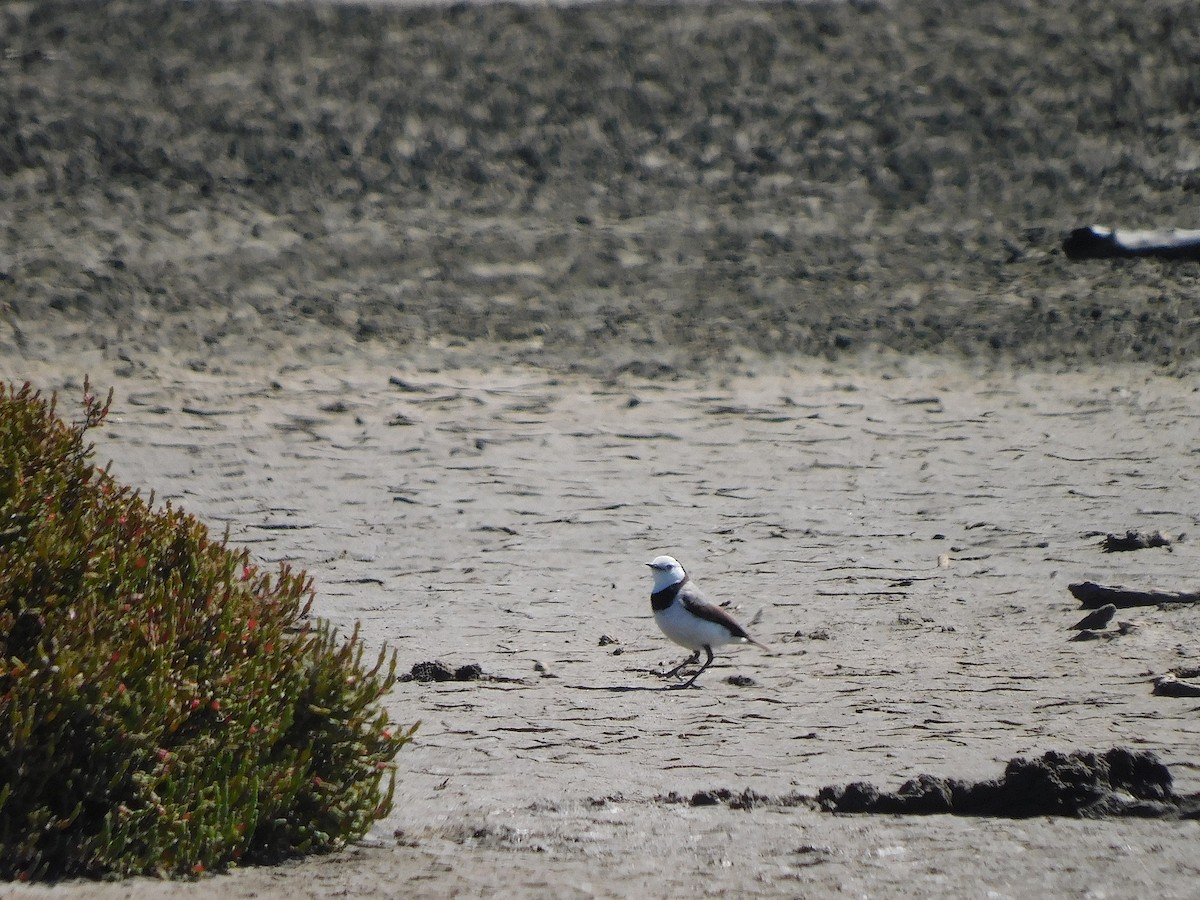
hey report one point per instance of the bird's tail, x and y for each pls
(759, 644)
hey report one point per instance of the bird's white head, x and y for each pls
(666, 571)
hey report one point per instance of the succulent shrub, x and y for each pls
(166, 706)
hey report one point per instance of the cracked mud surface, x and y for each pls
(905, 539)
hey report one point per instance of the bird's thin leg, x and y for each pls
(675, 671)
(707, 663)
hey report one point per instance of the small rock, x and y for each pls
(433, 670)
(710, 798)
(469, 672)
(1133, 540)
(1097, 618)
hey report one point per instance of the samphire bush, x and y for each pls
(166, 707)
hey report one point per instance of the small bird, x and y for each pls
(687, 618)
(1098, 618)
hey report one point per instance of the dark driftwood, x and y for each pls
(1097, 242)
(1170, 686)
(1093, 596)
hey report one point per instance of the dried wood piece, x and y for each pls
(1092, 596)
(1098, 242)
(1170, 686)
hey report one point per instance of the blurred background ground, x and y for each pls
(606, 187)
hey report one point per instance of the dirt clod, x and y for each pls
(1088, 785)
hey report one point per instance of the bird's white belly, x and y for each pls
(690, 631)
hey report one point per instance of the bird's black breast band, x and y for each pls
(660, 600)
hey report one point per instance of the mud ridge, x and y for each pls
(1119, 782)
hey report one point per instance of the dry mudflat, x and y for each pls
(470, 311)
(903, 540)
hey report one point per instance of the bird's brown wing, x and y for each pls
(696, 603)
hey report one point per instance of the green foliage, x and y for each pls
(165, 706)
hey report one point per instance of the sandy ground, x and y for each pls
(472, 310)
(903, 532)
